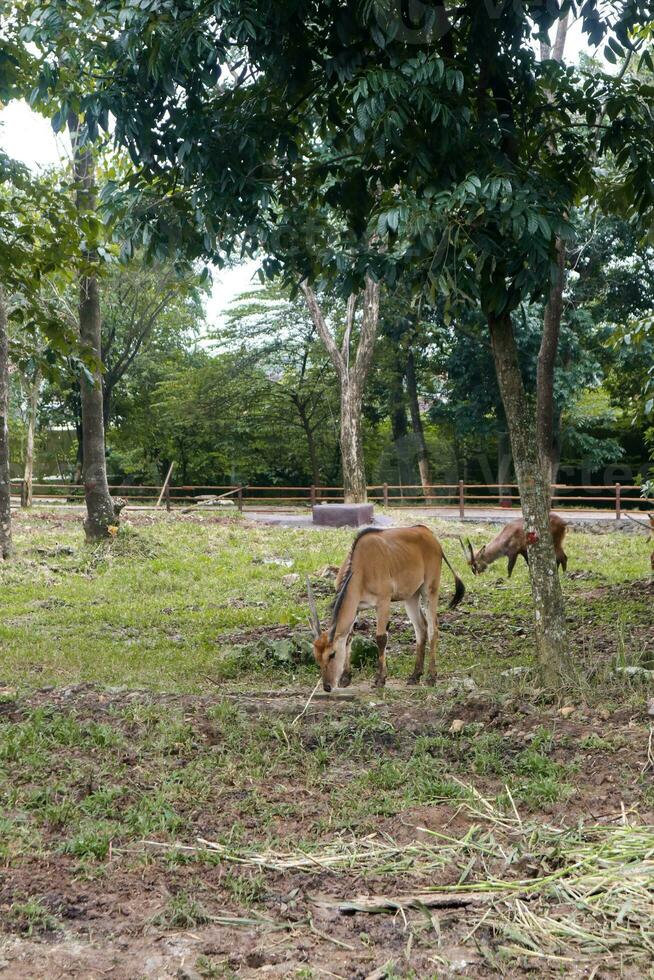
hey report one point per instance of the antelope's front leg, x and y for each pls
(346, 676)
(383, 615)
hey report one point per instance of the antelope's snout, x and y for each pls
(326, 687)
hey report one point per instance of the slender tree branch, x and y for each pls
(323, 330)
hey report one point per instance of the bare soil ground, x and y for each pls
(125, 908)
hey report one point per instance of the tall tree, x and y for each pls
(32, 406)
(352, 373)
(100, 511)
(5, 472)
(38, 238)
(417, 423)
(142, 302)
(274, 333)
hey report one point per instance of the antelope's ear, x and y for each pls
(314, 619)
(464, 550)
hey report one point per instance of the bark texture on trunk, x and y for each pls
(5, 472)
(533, 481)
(100, 513)
(354, 472)
(352, 378)
(416, 424)
(28, 472)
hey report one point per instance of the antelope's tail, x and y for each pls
(459, 587)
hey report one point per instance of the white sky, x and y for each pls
(29, 138)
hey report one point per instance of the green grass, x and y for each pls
(32, 917)
(161, 606)
(103, 780)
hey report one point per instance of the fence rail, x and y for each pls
(459, 497)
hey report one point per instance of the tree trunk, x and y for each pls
(313, 457)
(100, 513)
(28, 473)
(354, 471)
(533, 481)
(399, 423)
(311, 442)
(5, 471)
(352, 378)
(416, 424)
(503, 468)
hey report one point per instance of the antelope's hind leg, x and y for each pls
(419, 623)
(432, 632)
(383, 615)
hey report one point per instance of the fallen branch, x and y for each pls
(646, 527)
(382, 971)
(396, 903)
(304, 709)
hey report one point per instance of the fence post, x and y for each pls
(386, 495)
(313, 495)
(239, 498)
(167, 497)
(618, 501)
(462, 499)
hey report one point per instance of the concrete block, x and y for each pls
(343, 515)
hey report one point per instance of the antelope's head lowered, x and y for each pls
(324, 649)
(476, 560)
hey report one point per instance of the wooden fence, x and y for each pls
(460, 497)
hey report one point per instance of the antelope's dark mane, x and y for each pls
(340, 595)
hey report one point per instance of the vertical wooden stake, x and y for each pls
(163, 489)
(462, 499)
(618, 501)
(386, 495)
(240, 498)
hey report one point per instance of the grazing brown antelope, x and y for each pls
(512, 542)
(384, 566)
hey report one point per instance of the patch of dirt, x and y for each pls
(109, 920)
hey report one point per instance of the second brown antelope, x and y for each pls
(384, 566)
(512, 542)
